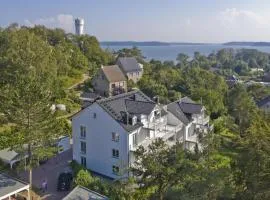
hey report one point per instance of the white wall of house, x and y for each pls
(134, 76)
(63, 144)
(101, 84)
(99, 142)
(172, 120)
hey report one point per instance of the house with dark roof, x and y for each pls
(107, 132)
(193, 118)
(109, 81)
(264, 104)
(131, 68)
(82, 193)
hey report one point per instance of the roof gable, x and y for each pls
(80, 192)
(129, 64)
(113, 73)
(183, 108)
(133, 103)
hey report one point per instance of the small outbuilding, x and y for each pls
(11, 187)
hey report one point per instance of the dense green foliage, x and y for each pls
(37, 65)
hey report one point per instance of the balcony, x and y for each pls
(201, 120)
(166, 133)
(118, 90)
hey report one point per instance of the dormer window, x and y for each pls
(156, 112)
(132, 120)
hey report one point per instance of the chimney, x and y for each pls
(156, 99)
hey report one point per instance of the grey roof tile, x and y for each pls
(9, 185)
(113, 73)
(134, 102)
(82, 193)
(183, 108)
(129, 64)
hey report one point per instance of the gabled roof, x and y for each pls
(183, 108)
(113, 73)
(129, 64)
(82, 193)
(264, 101)
(189, 106)
(134, 102)
(8, 155)
(139, 107)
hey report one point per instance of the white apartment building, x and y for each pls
(106, 133)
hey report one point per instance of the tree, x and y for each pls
(208, 87)
(252, 163)
(159, 167)
(241, 107)
(84, 178)
(182, 59)
(133, 52)
(27, 104)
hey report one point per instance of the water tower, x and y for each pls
(79, 25)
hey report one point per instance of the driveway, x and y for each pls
(50, 172)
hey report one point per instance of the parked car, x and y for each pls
(64, 181)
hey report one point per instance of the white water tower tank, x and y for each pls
(79, 26)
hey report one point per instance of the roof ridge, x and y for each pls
(116, 97)
(140, 101)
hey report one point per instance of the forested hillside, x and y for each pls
(37, 65)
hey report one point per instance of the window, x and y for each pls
(115, 153)
(113, 85)
(115, 137)
(83, 161)
(83, 147)
(115, 169)
(83, 131)
(134, 139)
(94, 115)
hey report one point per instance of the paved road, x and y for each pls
(50, 172)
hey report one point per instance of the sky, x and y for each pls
(211, 21)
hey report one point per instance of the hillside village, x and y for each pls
(77, 121)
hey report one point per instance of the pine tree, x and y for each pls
(26, 105)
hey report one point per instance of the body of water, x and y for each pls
(170, 52)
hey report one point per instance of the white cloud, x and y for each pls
(239, 17)
(64, 21)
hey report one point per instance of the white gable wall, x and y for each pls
(99, 142)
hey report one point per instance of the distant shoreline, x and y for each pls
(150, 43)
(156, 43)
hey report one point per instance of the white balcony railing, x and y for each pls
(165, 133)
(201, 120)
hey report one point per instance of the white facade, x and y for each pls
(99, 145)
(63, 144)
(79, 26)
(103, 154)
